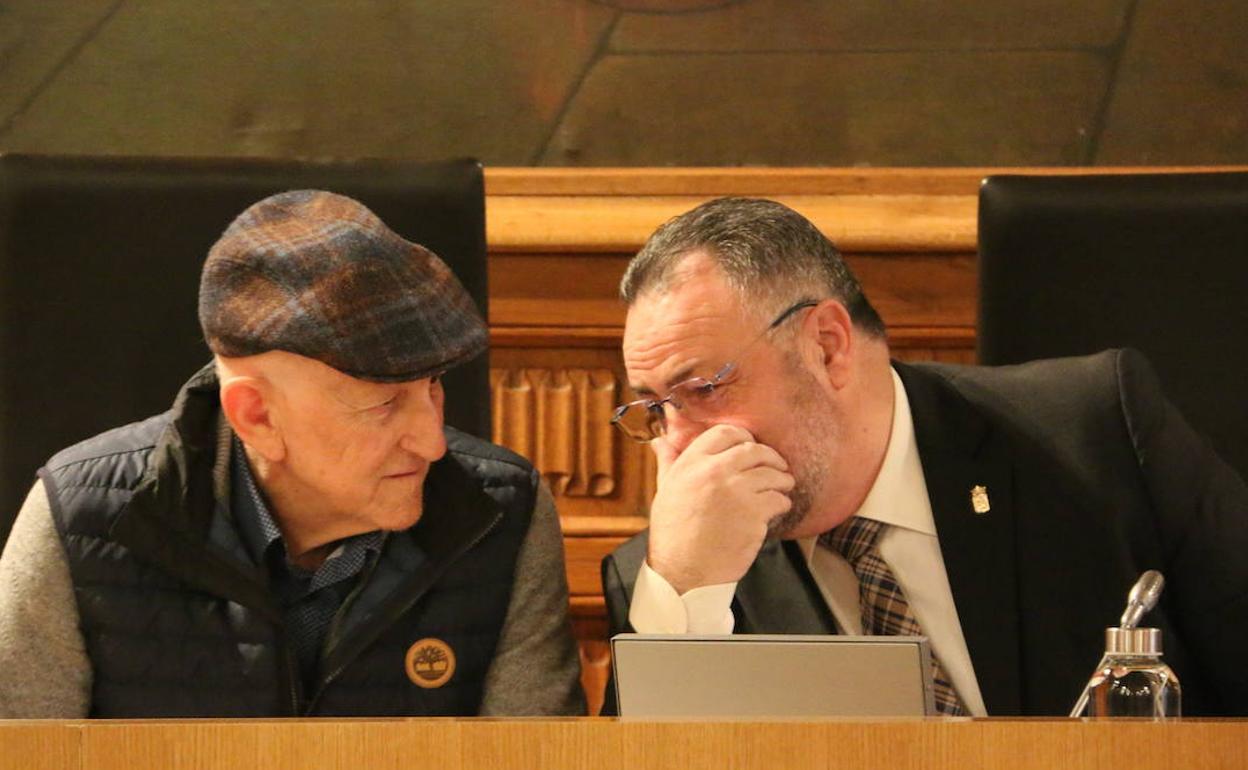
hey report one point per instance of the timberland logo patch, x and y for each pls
(430, 663)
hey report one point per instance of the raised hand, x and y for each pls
(714, 501)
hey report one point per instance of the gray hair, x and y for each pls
(769, 253)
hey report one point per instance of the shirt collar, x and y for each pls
(255, 523)
(898, 496)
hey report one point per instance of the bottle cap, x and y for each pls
(1133, 641)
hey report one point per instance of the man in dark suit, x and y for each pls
(809, 484)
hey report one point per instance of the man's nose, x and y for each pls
(423, 434)
(681, 430)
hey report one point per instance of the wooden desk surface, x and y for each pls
(602, 744)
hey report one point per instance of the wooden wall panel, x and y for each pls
(579, 291)
(854, 221)
(556, 290)
(559, 418)
(595, 652)
(553, 405)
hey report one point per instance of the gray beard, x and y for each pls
(781, 525)
(808, 454)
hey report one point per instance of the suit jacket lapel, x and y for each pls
(960, 451)
(778, 596)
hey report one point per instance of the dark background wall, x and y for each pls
(633, 82)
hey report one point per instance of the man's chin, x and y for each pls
(783, 526)
(399, 520)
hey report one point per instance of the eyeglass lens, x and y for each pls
(645, 420)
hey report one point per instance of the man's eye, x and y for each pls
(702, 392)
(383, 407)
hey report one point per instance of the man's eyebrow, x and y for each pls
(673, 381)
(354, 400)
(641, 390)
(680, 376)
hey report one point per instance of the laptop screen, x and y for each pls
(771, 675)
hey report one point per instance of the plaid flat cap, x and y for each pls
(318, 274)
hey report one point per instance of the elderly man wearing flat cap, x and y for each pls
(300, 534)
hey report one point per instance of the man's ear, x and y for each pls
(248, 403)
(834, 342)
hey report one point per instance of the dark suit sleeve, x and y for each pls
(618, 595)
(1201, 515)
(619, 574)
(617, 622)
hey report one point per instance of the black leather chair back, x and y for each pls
(99, 273)
(1159, 262)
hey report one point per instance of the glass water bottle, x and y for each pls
(1132, 680)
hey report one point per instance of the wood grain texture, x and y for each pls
(777, 181)
(606, 744)
(553, 405)
(579, 291)
(584, 557)
(595, 653)
(560, 419)
(544, 182)
(40, 745)
(867, 223)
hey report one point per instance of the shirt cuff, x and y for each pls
(658, 609)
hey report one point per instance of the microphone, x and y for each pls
(1142, 598)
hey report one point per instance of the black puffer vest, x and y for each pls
(178, 622)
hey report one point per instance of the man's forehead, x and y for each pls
(695, 288)
(345, 385)
(668, 335)
(291, 369)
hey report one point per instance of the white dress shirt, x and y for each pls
(909, 546)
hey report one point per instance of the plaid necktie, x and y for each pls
(885, 611)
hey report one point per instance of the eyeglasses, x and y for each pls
(696, 398)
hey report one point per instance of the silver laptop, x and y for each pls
(771, 675)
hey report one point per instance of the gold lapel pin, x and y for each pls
(979, 499)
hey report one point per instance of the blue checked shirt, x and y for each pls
(309, 600)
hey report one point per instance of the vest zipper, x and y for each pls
(293, 674)
(329, 678)
(331, 638)
(292, 671)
